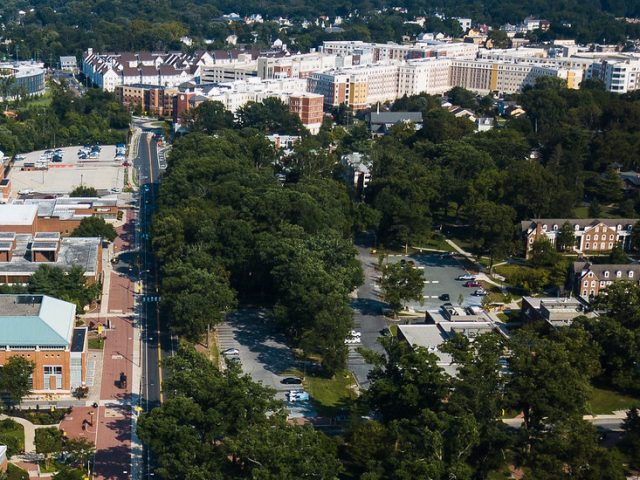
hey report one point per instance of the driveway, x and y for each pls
(263, 352)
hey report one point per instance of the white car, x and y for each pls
(466, 276)
(480, 292)
(352, 340)
(115, 190)
(231, 351)
(26, 191)
(355, 333)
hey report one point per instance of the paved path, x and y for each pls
(29, 432)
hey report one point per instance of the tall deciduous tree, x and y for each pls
(400, 283)
(15, 381)
(95, 226)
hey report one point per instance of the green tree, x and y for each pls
(69, 285)
(66, 473)
(401, 283)
(499, 39)
(95, 226)
(550, 375)
(84, 191)
(195, 298)
(48, 441)
(79, 451)
(566, 239)
(209, 117)
(493, 226)
(618, 255)
(595, 209)
(630, 443)
(543, 253)
(15, 381)
(635, 237)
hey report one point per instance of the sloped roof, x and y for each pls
(30, 320)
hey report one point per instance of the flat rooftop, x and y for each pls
(81, 251)
(17, 214)
(20, 305)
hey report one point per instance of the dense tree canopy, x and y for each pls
(222, 425)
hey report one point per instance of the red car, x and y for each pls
(472, 283)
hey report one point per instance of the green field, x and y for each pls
(605, 401)
(330, 395)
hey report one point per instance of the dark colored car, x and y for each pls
(385, 332)
(291, 381)
(445, 297)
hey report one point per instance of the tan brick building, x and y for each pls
(42, 330)
(308, 106)
(591, 235)
(590, 279)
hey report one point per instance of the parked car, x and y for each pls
(444, 297)
(385, 332)
(291, 381)
(471, 283)
(466, 276)
(481, 292)
(115, 190)
(231, 351)
(355, 333)
(352, 340)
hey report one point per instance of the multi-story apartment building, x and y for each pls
(229, 72)
(297, 66)
(590, 279)
(592, 235)
(619, 75)
(392, 51)
(309, 107)
(432, 76)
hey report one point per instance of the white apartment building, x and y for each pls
(392, 51)
(618, 75)
(234, 95)
(430, 76)
(229, 72)
(295, 66)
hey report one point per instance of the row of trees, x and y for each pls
(56, 28)
(227, 228)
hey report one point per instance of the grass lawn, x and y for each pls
(12, 435)
(16, 473)
(330, 395)
(437, 242)
(393, 329)
(96, 343)
(583, 212)
(605, 401)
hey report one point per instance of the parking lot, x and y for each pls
(263, 353)
(440, 272)
(102, 173)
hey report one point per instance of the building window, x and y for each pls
(52, 372)
(610, 245)
(595, 237)
(586, 246)
(630, 273)
(606, 274)
(586, 284)
(595, 246)
(593, 283)
(618, 274)
(588, 237)
(610, 237)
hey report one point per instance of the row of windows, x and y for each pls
(630, 274)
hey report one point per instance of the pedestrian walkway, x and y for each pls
(29, 432)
